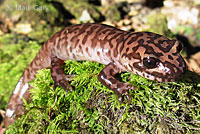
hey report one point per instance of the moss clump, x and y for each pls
(92, 108)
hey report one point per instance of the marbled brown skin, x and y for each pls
(148, 54)
(106, 77)
(58, 74)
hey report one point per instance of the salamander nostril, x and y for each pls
(179, 47)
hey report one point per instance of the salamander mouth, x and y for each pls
(163, 78)
(176, 77)
(172, 74)
(167, 79)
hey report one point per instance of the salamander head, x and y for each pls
(156, 57)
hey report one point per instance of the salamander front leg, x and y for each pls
(106, 77)
(58, 75)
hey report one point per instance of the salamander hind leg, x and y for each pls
(58, 75)
(106, 77)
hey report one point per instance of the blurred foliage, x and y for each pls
(158, 24)
(15, 54)
(44, 22)
(198, 33)
(186, 29)
(78, 6)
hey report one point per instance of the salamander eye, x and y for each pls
(150, 62)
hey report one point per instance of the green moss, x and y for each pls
(15, 54)
(92, 108)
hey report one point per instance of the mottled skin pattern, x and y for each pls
(148, 54)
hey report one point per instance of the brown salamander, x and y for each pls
(150, 55)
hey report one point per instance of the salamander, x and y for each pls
(150, 55)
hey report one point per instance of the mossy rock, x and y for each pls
(92, 108)
(158, 24)
(112, 13)
(76, 7)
